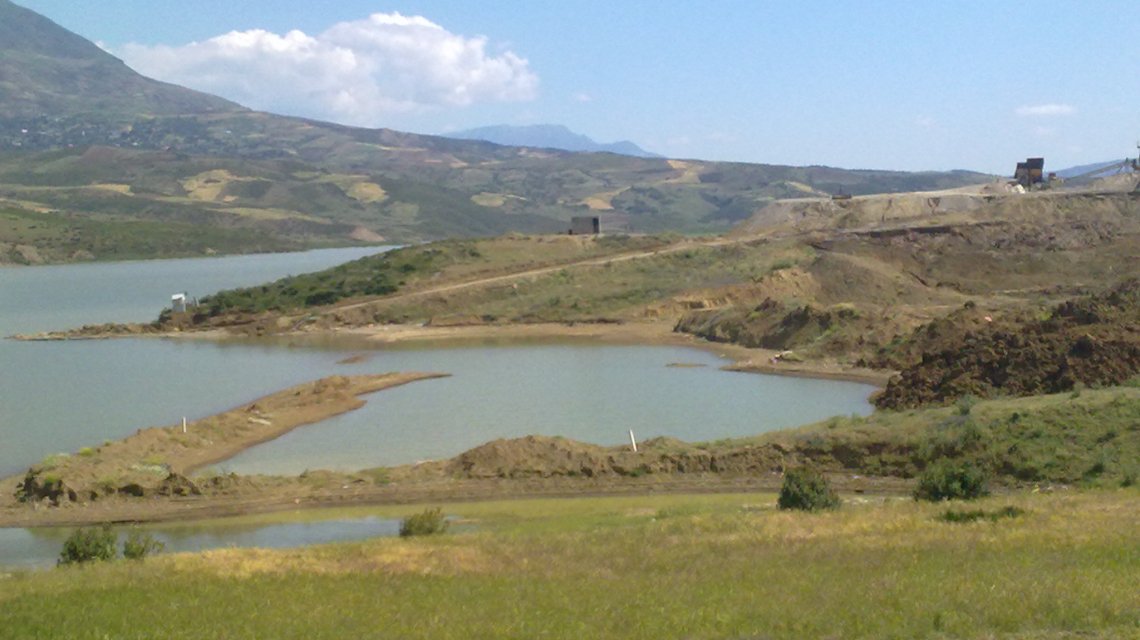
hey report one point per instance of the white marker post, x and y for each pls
(183, 424)
(632, 441)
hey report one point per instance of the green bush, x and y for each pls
(981, 514)
(965, 404)
(139, 545)
(952, 480)
(86, 545)
(427, 522)
(806, 489)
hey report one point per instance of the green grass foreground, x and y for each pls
(717, 566)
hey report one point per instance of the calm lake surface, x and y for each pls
(62, 396)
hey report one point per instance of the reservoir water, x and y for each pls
(39, 548)
(62, 396)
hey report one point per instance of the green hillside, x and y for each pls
(88, 145)
(47, 71)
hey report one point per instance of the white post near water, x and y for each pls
(183, 424)
(632, 441)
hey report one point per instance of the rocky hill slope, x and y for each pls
(47, 72)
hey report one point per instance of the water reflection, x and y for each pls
(39, 548)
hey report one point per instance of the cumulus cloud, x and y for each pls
(1045, 110)
(359, 72)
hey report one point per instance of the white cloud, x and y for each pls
(1045, 110)
(925, 122)
(583, 97)
(359, 72)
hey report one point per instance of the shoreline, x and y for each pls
(155, 462)
(740, 358)
(743, 359)
(266, 418)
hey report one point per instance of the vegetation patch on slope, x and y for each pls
(411, 269)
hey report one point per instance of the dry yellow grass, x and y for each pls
(124, 189)
(602, 201)
(366, 192)
(208, 185)
(270, 214)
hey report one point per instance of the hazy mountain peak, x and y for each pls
(548, 136)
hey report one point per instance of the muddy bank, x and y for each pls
(747, 359)
(534, 466)
(157, 461)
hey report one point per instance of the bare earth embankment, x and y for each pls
(107, 482)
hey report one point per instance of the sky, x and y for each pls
(868, 84)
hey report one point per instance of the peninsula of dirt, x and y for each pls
(157, 461)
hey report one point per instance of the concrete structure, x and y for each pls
(585, 225)
(182, 302)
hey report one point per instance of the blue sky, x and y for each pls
(868, 84)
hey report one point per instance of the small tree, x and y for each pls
(139, 545)
(86, 545)
(427, 522)
(952, 480)
(806, 489)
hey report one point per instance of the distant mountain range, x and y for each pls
(97, 161)
(1086, 168)
(549, 136)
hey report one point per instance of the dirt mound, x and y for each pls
(803, 214)
(769, 325)
(546, 457)
(841, 304)
(1093, 340)
(532, 456)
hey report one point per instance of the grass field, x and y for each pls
(718, 566)
(1089, 437)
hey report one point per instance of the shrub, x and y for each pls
(951, 480)
(427, 522)
(965, 404)
(86, 545)
(981, 514)
(806, 489)
(139, 545)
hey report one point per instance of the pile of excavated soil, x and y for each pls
(547, 457)
(1093, 340)
(802, 214)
